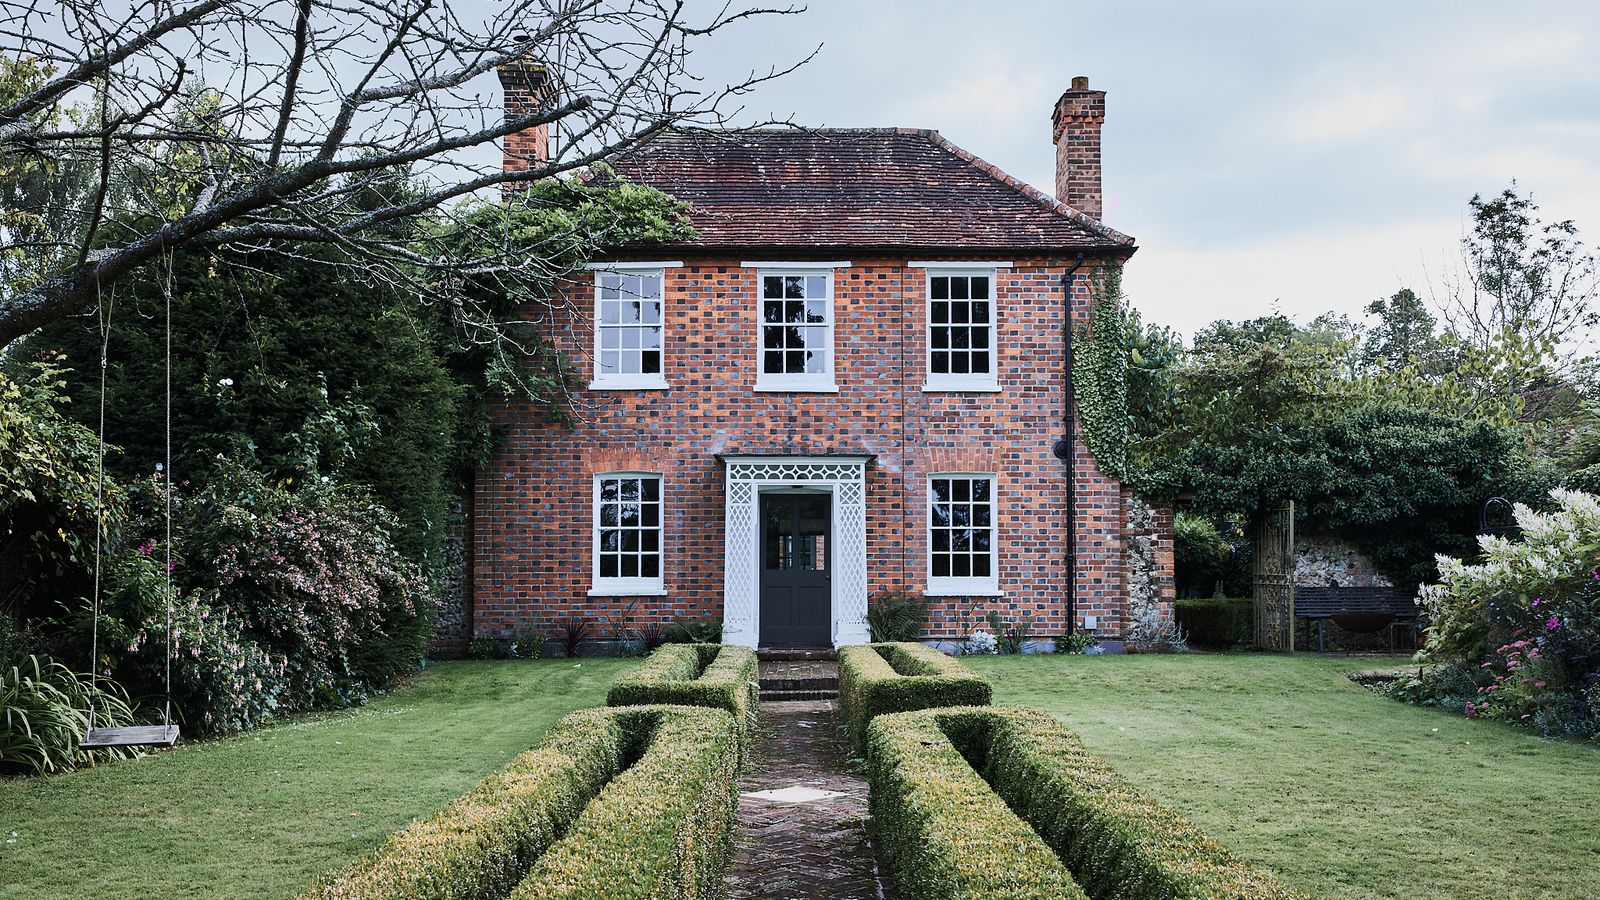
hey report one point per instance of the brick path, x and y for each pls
(802, 851)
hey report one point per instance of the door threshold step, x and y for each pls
(796, 654)
(785, 696)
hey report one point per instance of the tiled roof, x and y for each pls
(844, 188)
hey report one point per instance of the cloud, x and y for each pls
(1303, 274)
(1351, 114)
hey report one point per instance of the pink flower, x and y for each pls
(1552, 623)
(148, 547)
(1472, 711)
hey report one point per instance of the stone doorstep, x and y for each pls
(791, 654)
(781, 683)
(790, 696)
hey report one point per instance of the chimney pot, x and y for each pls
(1075, 130)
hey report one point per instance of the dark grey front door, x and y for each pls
(796, 593)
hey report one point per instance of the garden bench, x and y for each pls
(1364, 610)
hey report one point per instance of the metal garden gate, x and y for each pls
(1274, 580)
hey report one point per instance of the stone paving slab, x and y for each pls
(790, 670)
(811, 850)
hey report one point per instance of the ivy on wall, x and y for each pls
(1100, 376)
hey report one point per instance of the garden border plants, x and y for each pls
(645, 789)
(898, 677)
(1116, 843)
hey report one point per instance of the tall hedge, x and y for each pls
(895, 677)
(287, 364)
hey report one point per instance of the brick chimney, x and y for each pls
(1075, 129)
(527, 90)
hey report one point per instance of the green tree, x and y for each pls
(276, 364)
(48, 513)
(1266, 411)
(1405, 334)
(1522, 276)
(282, 362)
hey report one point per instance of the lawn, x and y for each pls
(261, 815)
(1341, 792)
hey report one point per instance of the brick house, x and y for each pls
(853, 379)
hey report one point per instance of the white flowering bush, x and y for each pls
(1523, 625)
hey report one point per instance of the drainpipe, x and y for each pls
(1064, 451)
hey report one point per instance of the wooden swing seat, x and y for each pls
(130, 736)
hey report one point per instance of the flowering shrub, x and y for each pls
(1525, 622)
(288, 599)
(221, 680)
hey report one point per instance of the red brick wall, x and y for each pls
(533, 502)
(1166, 550)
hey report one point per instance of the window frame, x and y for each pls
(633, 381)
(797, 382)
(988, 382)
(627, 586)
(964, 586)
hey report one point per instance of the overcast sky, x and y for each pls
(1260, 152)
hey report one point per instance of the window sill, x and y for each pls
(643, 384)
(797, 387)
(960, 387)
(627, 591)
(939, 590)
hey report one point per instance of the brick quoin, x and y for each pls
(533, 502)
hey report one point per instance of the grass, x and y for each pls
(262, 814)
(1340, 792)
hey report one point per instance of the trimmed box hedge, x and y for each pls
(1117, 843)
(716, 675)
(1217, 622)
(661, 830)
(483, 843)
(899, 677)
(943, 830)
(639, 767)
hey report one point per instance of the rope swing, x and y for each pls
(165, 734)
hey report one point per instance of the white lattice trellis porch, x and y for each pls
(747, 476)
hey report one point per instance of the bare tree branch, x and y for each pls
(153, 126)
